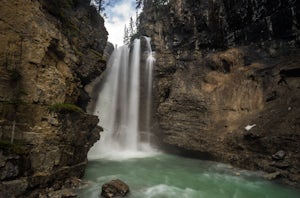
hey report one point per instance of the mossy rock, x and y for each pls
(98, 54)
(65, 108)
(13, 102)
(17, 147)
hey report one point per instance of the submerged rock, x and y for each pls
(272, 176)
(115, 188)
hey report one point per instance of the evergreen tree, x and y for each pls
(126, 38)
(99, 4)
(137, 21)
(139, 4)
(131, 27)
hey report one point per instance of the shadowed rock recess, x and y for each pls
(223, 65)
(49, 51)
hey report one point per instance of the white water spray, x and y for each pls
(149, 71)
(131, 140)
(119, 103)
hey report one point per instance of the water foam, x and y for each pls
(163, 190)
(118, 106)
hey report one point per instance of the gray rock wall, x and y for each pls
(222, 65)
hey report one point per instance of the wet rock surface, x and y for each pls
(279, 155)
(115, 188)
(222, 66)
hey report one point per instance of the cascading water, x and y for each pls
(149, 71)
(131, 137)
(125, 94)
(119, 103)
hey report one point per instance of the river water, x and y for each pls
(126, 156)
(168, 176)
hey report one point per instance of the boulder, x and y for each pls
(279, 155)
(115, 188)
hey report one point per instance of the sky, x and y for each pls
(117, 16)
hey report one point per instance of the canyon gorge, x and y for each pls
(221, 67)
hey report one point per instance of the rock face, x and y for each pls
(224, 65)
(49, 51)
(115, 188)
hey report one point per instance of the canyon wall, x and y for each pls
(49, 51)
(224, 65)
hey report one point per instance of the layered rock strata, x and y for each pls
(224, 65)
(49, 51)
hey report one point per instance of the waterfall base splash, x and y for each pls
(118, 155)
(119, 103)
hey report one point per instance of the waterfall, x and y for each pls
(131, 140)
(149, 72)
(119, 102)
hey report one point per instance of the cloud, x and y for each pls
(118, 15)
